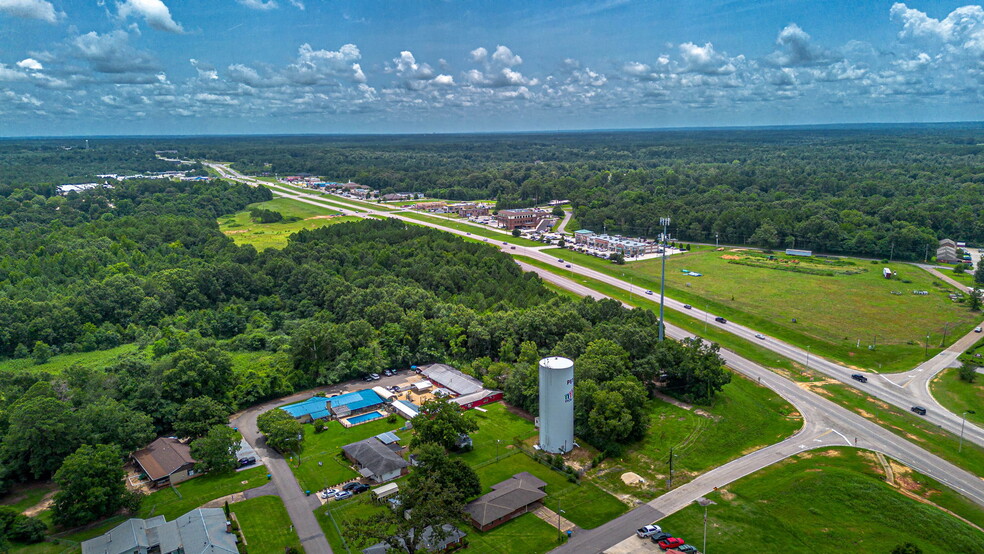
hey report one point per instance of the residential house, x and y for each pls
(308, 410)
(377, 461)
(511, 498)
(166, 461)
(200, 531)
(429, 541)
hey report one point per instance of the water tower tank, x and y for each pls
(556, 405)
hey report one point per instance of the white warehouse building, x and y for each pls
(556, 405)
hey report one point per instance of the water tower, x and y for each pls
(556, 405)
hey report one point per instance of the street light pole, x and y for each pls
(665, 222)
(962, 421)
(705, 502)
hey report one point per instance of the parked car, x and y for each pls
(329, 493)
(661, 536)
(919, 410)
(350, 486)
(720, 319)
(343, 495)
(374, 376)
(687, 306)
(648, 291)
(247, 461)
(359, 488)
(367, 378)
(760, 336)
(977, 329)
(687, 548)
(859, 377)
(671, 542)
(648, 531)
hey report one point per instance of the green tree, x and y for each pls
(91, 485)
(557, 211)
(603, 360)
(198, 415)
(283, 432)
(41, 352)
(41, 432)
(907, 548)
(16, 526)
(516, 232)
(975, 299)
(429, 504)
(766, 235)
(109, 422)
(434, 465)
(441, 422)
(979, 274)
(216, 451)
(967, 372)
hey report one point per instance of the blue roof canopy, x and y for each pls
(356, 400)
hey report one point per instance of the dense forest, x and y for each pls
(144, 264)
(871, 191)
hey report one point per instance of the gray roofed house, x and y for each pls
(513, 497)
(196, 532)
(428, 543)
(376, 460)
(450, 378)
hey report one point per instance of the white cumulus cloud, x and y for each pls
(259, 4)
(31, 9)
(30, 63)
(505, 56)
(154, 12)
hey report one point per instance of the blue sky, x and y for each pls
(96, 67)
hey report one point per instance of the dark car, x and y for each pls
(359, 488)
(568, 266)
(512, 247)
(687, 306)
(352, 486)
(720, 319)
(919, 410)
(559, 260)
(661, 536)
(250, 460)
(858, 377)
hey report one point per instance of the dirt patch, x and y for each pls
(321, 217)
(727, 495)
(630, 478)
(45, 503)
(881, 404)
(236, 232)
(795, 415)
(831, 453)
(730, 257)
(516, 411)
(737, 250)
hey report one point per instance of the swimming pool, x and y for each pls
(355, 420)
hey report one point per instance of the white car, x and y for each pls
(977, 329)
(648, 531)
(759, 336)
(328, 493)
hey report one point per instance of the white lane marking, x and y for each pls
(842, 436)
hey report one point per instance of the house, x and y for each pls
(166, 461)
(511, 498)
(198, 531)
(520, 219)
(308, 410)
(353, 403)
(947, 252)
(376, 460)
(428, 541)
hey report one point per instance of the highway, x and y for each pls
(825, 423)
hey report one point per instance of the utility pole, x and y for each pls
(891, 252)
(716, 244)
(665, 222)
(807, 357)
(705, 502)
(926, 350)
(962, 421)
(945, 325)
(669, 482)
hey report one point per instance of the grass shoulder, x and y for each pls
(821, 501)
(958, 395)
(265, 524)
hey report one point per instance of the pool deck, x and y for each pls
(347, 422)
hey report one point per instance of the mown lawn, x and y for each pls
(473, 229)
(326, 448)
(585, 504)
(243, 230)
(743, 418)
(832, 313)
(830, 501)
(265, 524)
(960, 396)
(496, 424)
(93, 360)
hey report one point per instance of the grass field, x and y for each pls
(959, 396)
(830, 501)
(243, 230)
(832, 313)
(496, 424)
(744, 417)
(93, 360)
(23, 497)
(265, 524)
(326, 448)
(473, 229)
(902, 422)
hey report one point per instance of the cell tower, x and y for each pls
(556, 405)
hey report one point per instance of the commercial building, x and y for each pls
(354, 403)
(613, 243)
(166, 461)
(308, 410)
(201, 530)
(513, 497)
(469, 210)
(465, 390)
(521, 219)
